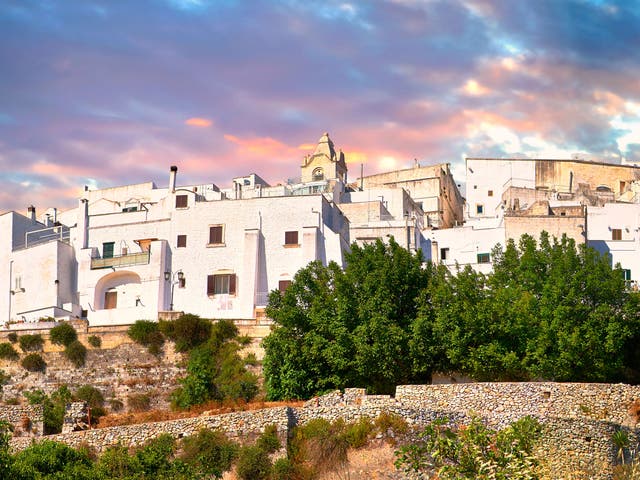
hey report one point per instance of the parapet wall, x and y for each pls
(578, 419)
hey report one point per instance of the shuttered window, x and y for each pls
(182, 201)
(223, 284)
(216, 234)
(291, 238)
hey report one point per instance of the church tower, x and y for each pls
(324, 163)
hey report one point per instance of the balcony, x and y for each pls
(139, 258)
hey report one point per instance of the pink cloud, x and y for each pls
(198, 122)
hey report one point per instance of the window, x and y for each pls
(182, 201)
(626, 274)
(291, 238)
(318, 174)
(182, 241)
(444, 254)
(484, 258)
(616, 234)
(107, 249)
(283, 285)
(130, 209)
(490, 193)
(479, 208)
(216, 235)
(221, 284)
(110, 299)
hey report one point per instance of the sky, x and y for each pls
(114, 92)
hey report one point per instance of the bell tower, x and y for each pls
(324, 163)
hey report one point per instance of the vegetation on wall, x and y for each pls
(30, 343)
(63, 334)
(7, 352)
(34, 363)
(549, 310)
(147, 334)
(215, 370)
(450, 452)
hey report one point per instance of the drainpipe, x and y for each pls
(10, 280)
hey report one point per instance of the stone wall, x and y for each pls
(578, 419)
(242, 426)
(27, 420)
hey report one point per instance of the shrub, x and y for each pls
(269, 441)
(48, 459)
(30, 343)
(390, 421)
(358, 433)
(139, 402)
(320, 444)
(115, 404)
(76, 352)
(12, 337)
(63, 334)
(54, 407)
(251, 359)
(95, 341)
(7, 352)
(187, 331)
(253, 464)
(155, 457)
(284, 469)
(209, 452)
(4, 379)
(94, 399)
(34, 363)
(147, 334)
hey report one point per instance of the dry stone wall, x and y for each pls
(27, 420)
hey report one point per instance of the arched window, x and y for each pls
(318, 174)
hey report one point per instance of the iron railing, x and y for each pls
(139, 258)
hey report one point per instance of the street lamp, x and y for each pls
(175, 277)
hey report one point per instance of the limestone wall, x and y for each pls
(27, 420)
(578, 419)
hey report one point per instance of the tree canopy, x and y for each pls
(549, 310)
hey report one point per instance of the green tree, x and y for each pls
(54, 407)
(337, 328)
(209, 453)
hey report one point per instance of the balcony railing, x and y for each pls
(139, 258)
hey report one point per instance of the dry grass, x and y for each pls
(210, 408)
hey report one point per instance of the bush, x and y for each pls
(76, 352)
(187, 331)
(147, 334)
(269, 441)
(95, 341)
(94, 399)
(115, 404)
(319, 444)
(48, 459)
(390, 421)
(253, 464)
(7, 352)
(63, 334)
(358, 433)
(54, 407)
(283, 469)
(30, 343)
(4, 379)
(209, 452)
(34, 363)
(12, 337)
(139, 402)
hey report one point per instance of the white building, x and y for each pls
(614, 230)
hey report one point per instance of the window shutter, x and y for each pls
(182, 201)
(232, 284)
(211, 285)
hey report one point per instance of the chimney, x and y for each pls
(172, 178)
(31, 211)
